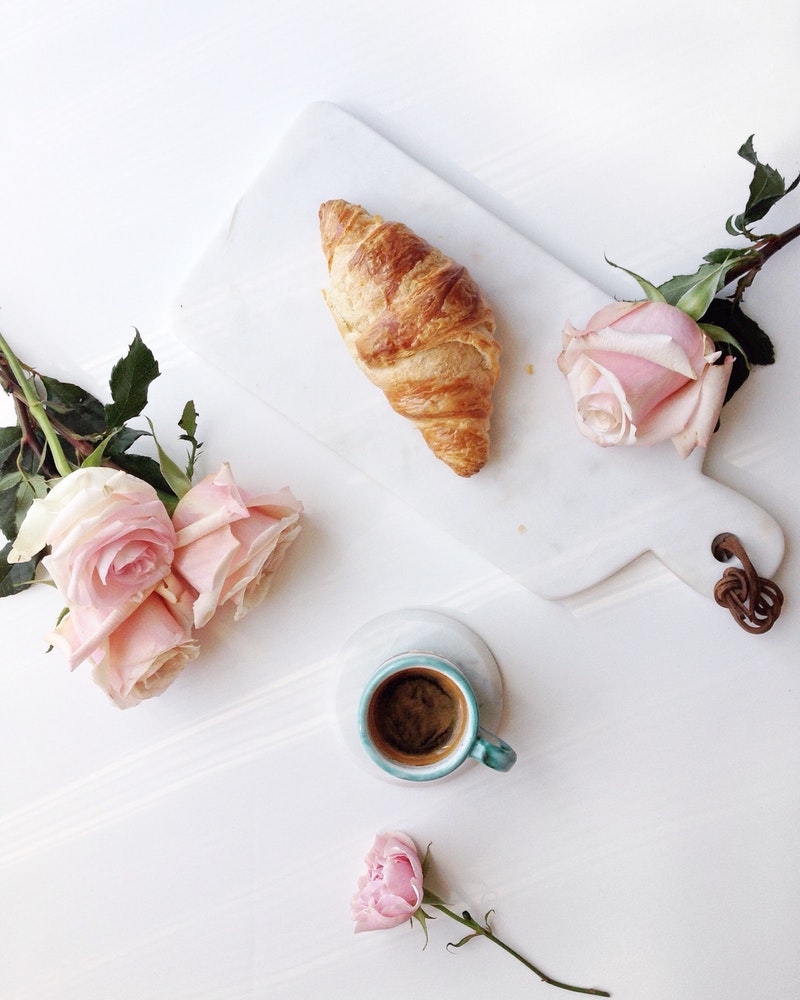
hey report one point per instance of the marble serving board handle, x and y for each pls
(552, 509)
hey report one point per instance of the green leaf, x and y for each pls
(9, 480)
(17, 494)
(463, 941)
(188, 421)
(122, 440)
(693, 292)
(747, 341)
(427, 895)
(767, 187)
(422, 918)
(14, 457)
(754, 343)
(15, 577)
(177, 479)
(76, 408)
(728, 255)
(696, 300)
(30, 488)
(720, 337)
(146, 468)
(95, 458)
(130, 379)
(10, 440)
(649, 289)
(747, 150)
(8, 506)
(730, 228)
(142, 466)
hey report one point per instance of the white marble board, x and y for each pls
(553, 510)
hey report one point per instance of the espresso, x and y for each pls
(416, 716)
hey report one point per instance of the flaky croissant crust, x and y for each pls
(419, 327)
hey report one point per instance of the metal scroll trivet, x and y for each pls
(754, 601)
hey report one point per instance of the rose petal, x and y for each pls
(654, 348)
(205, 564)
(700, 427)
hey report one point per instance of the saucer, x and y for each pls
(418, 630)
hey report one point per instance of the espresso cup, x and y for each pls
(418, 719)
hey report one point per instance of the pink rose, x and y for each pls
(390, 891)
(111, 538)
(230, 542)
(144, 654)
(642, 372)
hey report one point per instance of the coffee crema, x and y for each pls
(417, 716)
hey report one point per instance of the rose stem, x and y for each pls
(36, 409)
(468, 921)
(766, 247)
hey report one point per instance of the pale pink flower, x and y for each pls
(111, 539)
(390, 891)
(144, 653)
(643, 372)
(230, 542)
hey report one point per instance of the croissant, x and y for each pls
(418, 326)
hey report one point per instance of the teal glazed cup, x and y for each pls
(418, 719)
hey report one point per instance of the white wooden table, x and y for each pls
(206, 844)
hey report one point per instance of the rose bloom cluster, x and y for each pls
(139, 584)
(642, 373)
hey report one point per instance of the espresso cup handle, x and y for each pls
(492, 751)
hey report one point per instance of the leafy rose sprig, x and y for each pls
(392, 891)
(698, 293)
(61, 427)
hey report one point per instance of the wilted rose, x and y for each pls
(111, 539)
(390, 891)
(230, 542)
(642, 372)
(144, 653)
